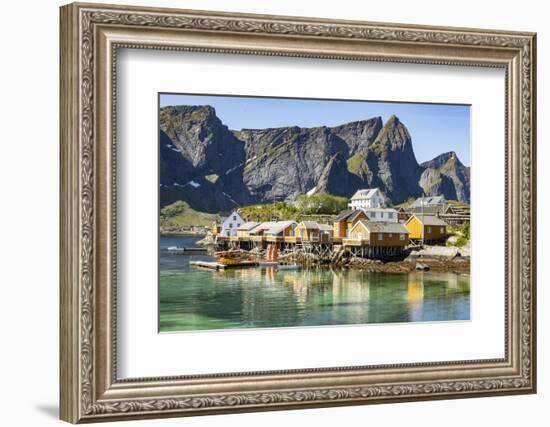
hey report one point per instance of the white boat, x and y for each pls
(288, 267)
(267, 263)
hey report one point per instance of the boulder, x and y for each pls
(421, 267)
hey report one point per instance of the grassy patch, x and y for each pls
(321, 205)
(357, 165)
(180, 215)
(268, 212)
(460, 232)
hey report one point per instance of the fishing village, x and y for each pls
(311, 212)
(430, 234)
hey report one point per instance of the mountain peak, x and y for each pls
(373, 121)
(198, 111)
(442, 159)
(393, 119)
(445, 167)
(394, 135)
(360, 134)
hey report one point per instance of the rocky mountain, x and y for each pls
(445, 174)
(215, 169)
(201, 160)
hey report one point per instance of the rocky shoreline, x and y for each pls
(180, 232)
(457, 265)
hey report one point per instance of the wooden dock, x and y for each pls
(212, 265)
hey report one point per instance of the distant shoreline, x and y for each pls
(180, 233)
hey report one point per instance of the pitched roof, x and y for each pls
(355, 214)
(310, 225)
(343, 215)
(364, 194)
(349, 215)
(430, 220)
(262, 227)
(380, 210)
(430, 200)
(279, 226)
(247, 226)
(383, 227)
(427, 209)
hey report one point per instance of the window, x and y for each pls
(234, 217)
(391, 235)
(442, 230)
(379, 236)
(401, 237)
(390, 215)
(230, 225)
(428, 229)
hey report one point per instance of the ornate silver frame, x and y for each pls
(90, 36)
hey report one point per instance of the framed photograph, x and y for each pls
(267, 212)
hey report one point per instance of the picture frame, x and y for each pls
(91, 34)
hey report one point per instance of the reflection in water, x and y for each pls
(192, 299)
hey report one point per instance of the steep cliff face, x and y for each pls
(359, 135)
(213, 168)
(397, 168)
(453, 175)
(434, 183)
(201, 161)
(283, 163)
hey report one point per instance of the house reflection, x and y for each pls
(330, 297)
(415, 296)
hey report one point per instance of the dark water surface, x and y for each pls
(196, 299)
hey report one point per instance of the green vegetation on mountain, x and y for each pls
(305, 207)
(320, 203)
(357, 165)
(269, 212)
(180, 215)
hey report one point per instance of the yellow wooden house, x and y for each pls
(430, 228)
(378, 234)
(312, 231)
(279, 230)
(346, 220)
(243, 231)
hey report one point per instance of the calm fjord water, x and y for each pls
(195, 299)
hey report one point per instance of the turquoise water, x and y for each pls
(196, 299)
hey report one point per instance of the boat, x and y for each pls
(288, 267)
(180, 249)
(267, 263)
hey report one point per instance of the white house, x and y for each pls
(367, 198)
(382, 214)
(230, 224)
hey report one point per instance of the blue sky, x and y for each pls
(434, 128)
